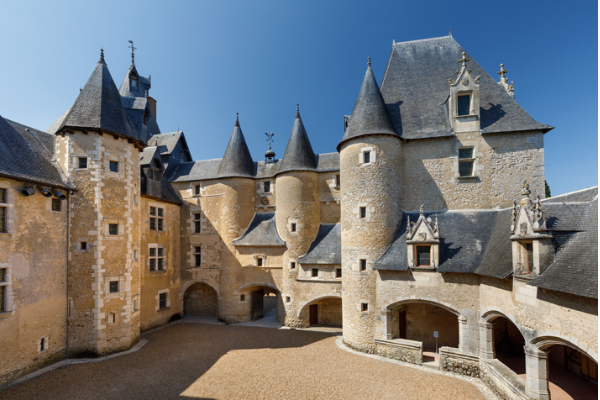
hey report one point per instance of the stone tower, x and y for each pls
(297, 202)
(371, 207)
(99, 152)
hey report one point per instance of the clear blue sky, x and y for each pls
(209, 60)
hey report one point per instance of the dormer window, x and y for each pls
(464, 104)
(423, 256)
(267, 186)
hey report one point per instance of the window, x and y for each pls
(363, 265)
(288, 299)
(363, 212)
(156, 218)
(82, 162)
(83, 246)
(162, 300)
(292, 265)
(3, 289)
(113, 287)
(338, 272)
(464, 105)
(114, 166)
(259, 261)
(364, 307)
(465, 161)
(367, 157)
(315, 272)
(135, 255)
(423, 256)
(136, 305)
(156, 259)
(197, 190)
(267, 186)
(529, 254)
(3, 224)
(293, 227)
(43, 344)
(198, 255)
(242, 297)
(112, 318)
(113, 229)
(337, 180)
(197, 223)
(55, 204)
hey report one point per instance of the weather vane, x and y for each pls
(270, 138)
(132, 50)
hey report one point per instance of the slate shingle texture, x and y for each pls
(261, 232)
(327, 246)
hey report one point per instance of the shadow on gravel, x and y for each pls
(174, 358)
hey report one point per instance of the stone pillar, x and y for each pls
(486, 340)
(537, 374)
(462, 331)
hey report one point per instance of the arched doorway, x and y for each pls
(200, 300)
(263, 303)
(325, 311)
(426, 322)
(509, 344)
(572, 374)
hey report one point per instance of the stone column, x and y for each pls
(537, 374)
(486, 340)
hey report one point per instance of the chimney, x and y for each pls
(152, 103)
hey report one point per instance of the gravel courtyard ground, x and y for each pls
(199, 361)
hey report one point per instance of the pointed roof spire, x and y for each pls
(98, 105)
(237, 161)
(299, 155)
(237, 119)
(370, 115)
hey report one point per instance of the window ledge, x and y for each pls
(467, 178)
(158, 272)
(421, 268)
(524, 277)
(5, 314)
(339, 280)
(164, 309)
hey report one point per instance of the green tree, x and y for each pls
(547, 190)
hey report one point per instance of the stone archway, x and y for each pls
(263, 300)
(200, 300)
(323, 310)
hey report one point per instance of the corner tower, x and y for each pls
(371, 207)
(99, 152)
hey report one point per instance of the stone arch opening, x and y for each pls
(418, 320)
(322, 311)
(263, 302)
(572, 374)
(200, 300)
(508, 343)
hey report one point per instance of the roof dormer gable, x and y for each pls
(528, 217)
(463, 103)
(425, 230)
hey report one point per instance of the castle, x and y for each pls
(427, 227)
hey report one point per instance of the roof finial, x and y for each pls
(502, 72)
(450, 34)
(297, 110)
(393, 40)
(237, 119)
(464, 59)
(369, 62)
(102, 56)
(132, 51)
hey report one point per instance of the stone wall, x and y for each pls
(200, 300)
(33, 255)
(452, 360)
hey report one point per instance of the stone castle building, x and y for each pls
(429, 220)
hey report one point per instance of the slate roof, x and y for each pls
(207, 169)
(262, 232)
(327, 246)
(98, 106)
(26, 154)
(481, 245)
(575, 267)
(370, 115)
(137, 110)
(143, 84)
(586, 194)
(166, 142)
(148, 154)
(299, 155)
(415, 89)
(237, 161)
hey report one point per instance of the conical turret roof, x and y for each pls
(370, 115)
(99, 105)
(237, 161)
(299, 155)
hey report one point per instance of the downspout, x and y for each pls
(67, 280)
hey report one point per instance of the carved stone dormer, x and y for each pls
(463, 104)
(423, 240)
(532, 247)
(510, 89)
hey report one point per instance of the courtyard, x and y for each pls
(210, 361)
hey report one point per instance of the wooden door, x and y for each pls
(313, 311)
(256, 308)
(402, 324)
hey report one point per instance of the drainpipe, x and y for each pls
(67, 280)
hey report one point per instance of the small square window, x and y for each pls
(3, 224)
(197, 190)
(338, 273)
(292, 265)
(152, 264)
(82, 162)
(367, 157)
(2, 195)
(160, 224)
(465, 168)
(267, 186)
(152, 210)
(114, 166)
(160, 251)
(364, 307)
(160, 212)
(55, 204)
(363, 212)
(337, 180)
(363, 265)
(43, 344)
(113, 229)
(162, 300)
(259, 261)
(152, 252)
(293, 228)
(464, 105)
(83, 245)
(465, 152)
(113, 287)
(315, 272)
(288, 299)
(242, 297)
